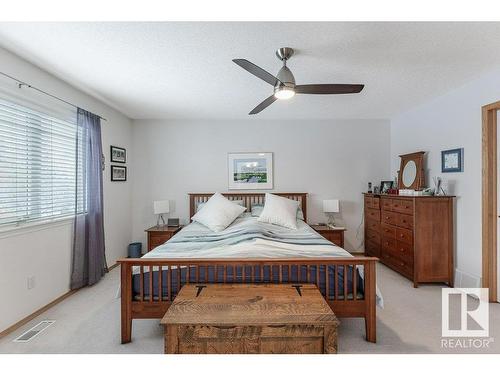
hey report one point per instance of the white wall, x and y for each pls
(452, 121)
(327, 159)
(45, 252)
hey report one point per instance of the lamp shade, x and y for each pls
(331, 205)
(161, 207)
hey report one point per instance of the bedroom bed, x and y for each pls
(247, 252)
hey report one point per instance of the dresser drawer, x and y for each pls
(372, 214)
(373, 225)
(404, 251)
(403, 206)
(389, 244)
(398, 249)
(372, 248)
(157, 239)
(372, 235)
(390, 218)
(368, 201)
(372, 202)
(401, 266)
(405, 221)
(404, 235)
(386, 204)
(335, 237)
(388, 230)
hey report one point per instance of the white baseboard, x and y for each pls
(466, 280)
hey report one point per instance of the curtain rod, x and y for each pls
(21, 83)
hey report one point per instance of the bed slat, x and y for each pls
(150, 269)
(160, 285)
(354, 283)
(179, 280)
(327, 282)
(141, 283)
(346, 272)
(169, 284)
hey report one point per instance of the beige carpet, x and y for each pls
(89, 322)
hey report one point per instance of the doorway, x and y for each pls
(489, 200)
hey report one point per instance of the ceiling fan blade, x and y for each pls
(266, 103)
(328, 89)
(257, 71)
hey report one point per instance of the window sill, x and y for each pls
(34, 227)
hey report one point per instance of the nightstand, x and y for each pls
(159, 235)
(335, 235)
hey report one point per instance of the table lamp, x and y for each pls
(331, 206)
(160, 208)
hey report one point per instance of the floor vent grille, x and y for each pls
(32, 332)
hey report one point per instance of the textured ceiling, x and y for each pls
(184, 70)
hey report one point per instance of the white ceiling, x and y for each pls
(184, 70)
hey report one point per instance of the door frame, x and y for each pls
(489, 199)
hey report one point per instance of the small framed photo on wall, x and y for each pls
(452, 160)
(118, 154)
(118, 173)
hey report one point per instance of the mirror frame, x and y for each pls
(418, 159)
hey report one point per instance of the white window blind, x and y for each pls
(38, 163)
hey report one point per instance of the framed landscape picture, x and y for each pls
(250, 170)
(118, 154)
(118, 173)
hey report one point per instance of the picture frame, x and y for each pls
(385, 186)
(118, 154)
(452, 160)
(118, 173)
(250, 170)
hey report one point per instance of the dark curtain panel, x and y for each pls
(89, 260)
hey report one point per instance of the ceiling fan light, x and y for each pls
(284, 93)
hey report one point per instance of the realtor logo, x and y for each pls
(474, 312)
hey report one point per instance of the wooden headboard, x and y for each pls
(248, 199)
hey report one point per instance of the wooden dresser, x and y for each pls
(411, 235)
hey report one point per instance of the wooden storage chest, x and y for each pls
(250, 318)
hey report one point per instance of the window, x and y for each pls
(38, 163)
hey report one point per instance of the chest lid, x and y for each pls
(249, 304)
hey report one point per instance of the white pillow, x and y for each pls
(257, 210)
(200, 205)
(218, 213)
(280, 211)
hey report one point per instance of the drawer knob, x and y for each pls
(402, 250)
(401, 235)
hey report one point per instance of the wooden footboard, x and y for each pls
(144, 305)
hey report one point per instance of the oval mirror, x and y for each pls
(409, 173)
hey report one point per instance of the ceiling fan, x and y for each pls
(284, 82)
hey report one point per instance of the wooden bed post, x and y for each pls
(126, 302)
(370, 296)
